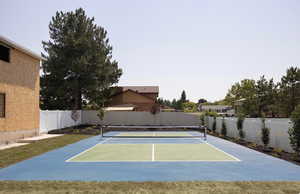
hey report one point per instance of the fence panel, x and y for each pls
(279, 137)
(141, 118)
(50, 120)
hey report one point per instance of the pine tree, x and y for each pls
(289, 91)
(78, 66)
(294, 131)
(183, 97)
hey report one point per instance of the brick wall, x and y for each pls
(143, 103)
(19, 80)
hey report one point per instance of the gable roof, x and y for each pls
(135, 92)
(140, 89)
(12, 44)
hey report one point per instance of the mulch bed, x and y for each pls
(291, 157)
(82, 130)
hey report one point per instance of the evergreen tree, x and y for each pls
(183, 97)
(289, 91)
(202, 100)
(78, 66)
(174, 103)
(266, 92)
(294, 131)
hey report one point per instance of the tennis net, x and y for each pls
(154, 131)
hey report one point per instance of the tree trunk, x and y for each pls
(79, 99)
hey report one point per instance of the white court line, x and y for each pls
(223, 152)
(195, 138)
(100, 161)
(153, 153)
(87, 150)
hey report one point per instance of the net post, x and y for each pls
(101, 131)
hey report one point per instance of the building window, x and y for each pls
(4, 53)
(2, 105)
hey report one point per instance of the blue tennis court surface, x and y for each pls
(250, 166)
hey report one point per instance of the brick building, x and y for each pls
(19, 91)
(134, 98)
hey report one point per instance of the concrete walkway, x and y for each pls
(37, 138)
(26, 141)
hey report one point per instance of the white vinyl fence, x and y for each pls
(50, 120)
(141, 118)
(279, 137)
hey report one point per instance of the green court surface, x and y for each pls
(152, 152)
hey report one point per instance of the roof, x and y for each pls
(141, 89)
(135, 92)
(12, 44)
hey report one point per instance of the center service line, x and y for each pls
(153, 152)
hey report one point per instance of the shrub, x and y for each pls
(214, 127)
(189, 107)
(224, 128)
(211, 114)
(265, 133)
(294, 131)
(239, 124)
(202, 118)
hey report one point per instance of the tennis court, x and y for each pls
(153, 154)
(155, 146)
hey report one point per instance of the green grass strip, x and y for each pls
(39, 187)
(17, 154)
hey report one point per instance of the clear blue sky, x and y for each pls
(202, 47)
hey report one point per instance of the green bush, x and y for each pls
(189, 107)
(294, 131)
(214, 127)
(202, 118)
(265, 133)
(239, 124)
(224, 128)
(211, 114)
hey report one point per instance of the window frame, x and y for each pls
(9, 53)
(4, 105)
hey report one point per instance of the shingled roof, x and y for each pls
(141, 89)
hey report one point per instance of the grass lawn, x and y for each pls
(17, 154)
(37, 187)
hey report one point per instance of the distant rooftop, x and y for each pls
(141, 89)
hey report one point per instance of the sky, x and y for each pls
(200, 46)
